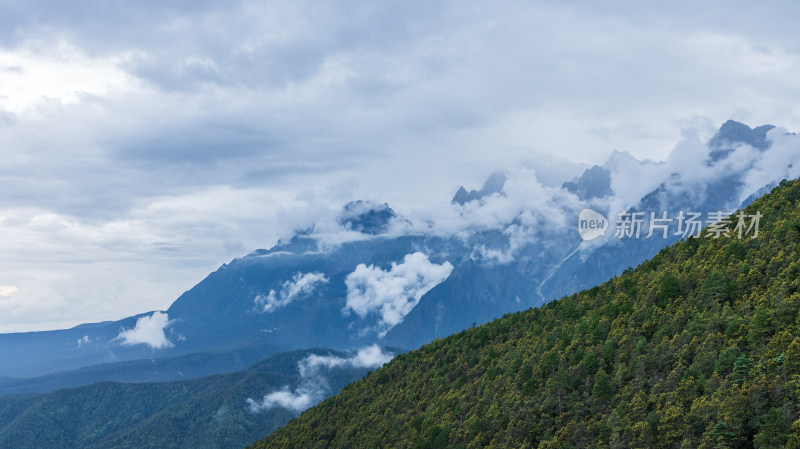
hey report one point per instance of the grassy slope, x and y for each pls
(698, 347)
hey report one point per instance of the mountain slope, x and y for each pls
(697, 347)
(209, 412)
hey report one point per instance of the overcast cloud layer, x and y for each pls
(141, 145)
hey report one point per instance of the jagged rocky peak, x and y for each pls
(733, 133)
(595, 182)
(366, 217)
(494, 184)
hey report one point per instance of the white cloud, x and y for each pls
(780, 161)
(313, 385)
(393, 293)
(7, 290)
(300, 285)
(56, 71)
(524, 199)
(149, 330)
(368, 357)
(296, 402)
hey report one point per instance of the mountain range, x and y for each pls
(373, 275)
(698, 347)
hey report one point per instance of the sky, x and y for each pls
(143, 144)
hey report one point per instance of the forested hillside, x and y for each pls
(697, 347)
(209, 412)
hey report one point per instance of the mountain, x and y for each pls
(494, 184)
(733, 133)
(208, 412)
(372, 275)
(697, 347)
(148, 370)
(593, 183)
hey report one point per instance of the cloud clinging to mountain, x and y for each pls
(366, 357)
(149, 330)
(313, 383)
(394, 292)
(299, 286)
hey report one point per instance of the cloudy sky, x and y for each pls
(144, 143)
